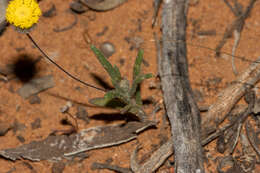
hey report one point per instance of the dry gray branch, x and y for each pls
(229, 97)
(180, 105)
(166, 150)
(155, 161)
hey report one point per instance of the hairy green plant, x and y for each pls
(124, 97)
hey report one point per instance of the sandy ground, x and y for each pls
(128, 28)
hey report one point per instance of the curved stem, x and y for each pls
(62, 69)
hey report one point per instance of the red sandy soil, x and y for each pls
(208, 74)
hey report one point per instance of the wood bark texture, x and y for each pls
(180, 105)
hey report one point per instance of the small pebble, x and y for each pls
(36, 124)
(34, 99)
(108, 49)
(122, 61)
(82, 114)
(19, 49)
(18, 127)
(20, 138)
(135, 42)
(50, 12)
(66, 107)
(35, 86)
(4, 128)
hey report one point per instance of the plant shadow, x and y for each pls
(24, 67)
(110, 117)
(101, 82)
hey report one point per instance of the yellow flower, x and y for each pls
(23, 14)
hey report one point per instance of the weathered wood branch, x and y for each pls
(166, 150)
(229, 97)
(180, 105)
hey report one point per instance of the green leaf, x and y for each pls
(125, 109)
(137, 81)
(138, 98)
(118, 74)
(113, 73)
(112, 99)
(138, 62)
(110, 95)
(103, 101)
(99, 101)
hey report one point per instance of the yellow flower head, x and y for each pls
(23, 14)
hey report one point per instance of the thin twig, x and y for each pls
(156, 4)
(237, 24)
(159, 52)
(70, 26)
(234, 10)
(250, 138)
(76, 127)
(237, 36)
(59, 67)
(115, 168)
(238, 130)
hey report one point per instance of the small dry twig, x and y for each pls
(249, 132)
(236, 27)
(229, 97)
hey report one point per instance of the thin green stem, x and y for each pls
(62, 69)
